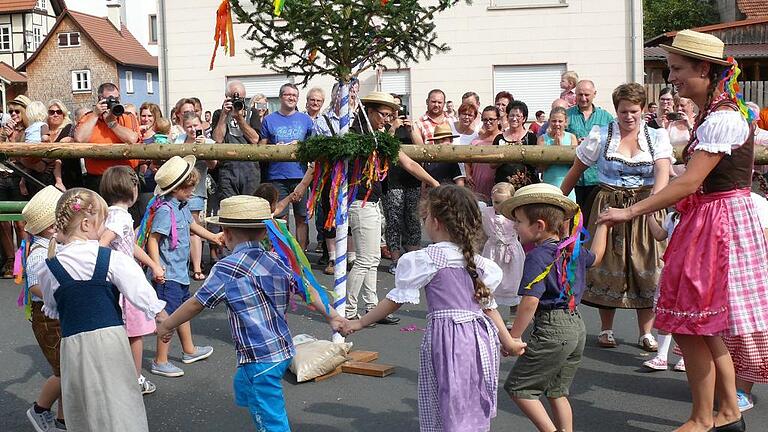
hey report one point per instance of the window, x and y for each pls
(536, 85)
(5, 37)
(69, 39)
(153, 29)
(81, 81)
(37, 36)
(150, 83)
(128, 81)
(527, 3)
(398, 82)
(41, 4)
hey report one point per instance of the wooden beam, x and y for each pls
(367, 369)
(535, 155)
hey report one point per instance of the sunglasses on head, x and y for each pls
(56, 111)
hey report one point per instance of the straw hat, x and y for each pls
(242, 211)
(701, 46)
(382, 99)
(442, 131)
(539, 193)
(40, 211)
(173, 173)
(21, 100)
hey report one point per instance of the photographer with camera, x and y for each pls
(107, 123)
(231, 126)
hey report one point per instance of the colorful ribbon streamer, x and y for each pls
(223, 33)
(279, 7)
(566, 261)
(730, 85)
(288, 249)
(19, 273)
(145, 227)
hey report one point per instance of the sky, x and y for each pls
(93, 7)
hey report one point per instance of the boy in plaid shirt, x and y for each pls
(256, 287)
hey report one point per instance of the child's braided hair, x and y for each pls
(456, 209)
(75, 205)
(762, 184)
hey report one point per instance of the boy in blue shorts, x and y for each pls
(553, 354)
(169, 246)
(256, 287)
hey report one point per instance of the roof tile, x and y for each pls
(121, 45)
(753, 8)
(17, 5)
(7, 73)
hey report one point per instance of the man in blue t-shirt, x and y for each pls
(287, 126)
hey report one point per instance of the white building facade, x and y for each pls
(521, 46)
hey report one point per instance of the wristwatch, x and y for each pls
(112, 124)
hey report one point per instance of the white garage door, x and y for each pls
(536, 85)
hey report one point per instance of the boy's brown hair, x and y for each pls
(191, 180)
(117, 184)
(269, 192)
(553, 216)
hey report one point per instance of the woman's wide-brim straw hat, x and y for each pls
(40, 211)
(242, 211)
(173, 173)
(702, 46)
(442, 131)
(539, 193)
(381, 98)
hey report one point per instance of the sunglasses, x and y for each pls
(489, 120)
(52, 112)
(14, 111)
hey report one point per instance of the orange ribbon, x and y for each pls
(223, 35)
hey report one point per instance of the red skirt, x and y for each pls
(715, 276)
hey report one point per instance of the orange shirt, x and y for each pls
(762, 122)
(102, 134)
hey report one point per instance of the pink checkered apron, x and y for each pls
(715, 275)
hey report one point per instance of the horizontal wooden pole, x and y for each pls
(535, 155)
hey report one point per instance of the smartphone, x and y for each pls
(674, 116)
(198, 132)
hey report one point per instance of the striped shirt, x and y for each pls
(256, 287)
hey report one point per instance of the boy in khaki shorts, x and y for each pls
(549, 298)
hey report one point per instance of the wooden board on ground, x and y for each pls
(368, 369)
(330, 374)
(363, 356)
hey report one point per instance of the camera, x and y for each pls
(403, 111)
(198, 132)
(114, 106)
(238, 103)
(674, 116)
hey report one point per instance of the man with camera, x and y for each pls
(231, 126)
(107, 123)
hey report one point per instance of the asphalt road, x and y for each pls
(611, 392)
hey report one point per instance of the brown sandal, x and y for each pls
(606, 340)
(198, 276)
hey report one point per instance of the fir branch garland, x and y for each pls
(350, 146)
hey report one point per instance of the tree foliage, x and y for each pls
(340, 38)
(661, 16)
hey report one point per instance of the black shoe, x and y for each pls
(323, 260)
(737, 426)
(389, 320)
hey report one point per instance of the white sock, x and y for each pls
(665, 341)
(332, 256)
(141, 379)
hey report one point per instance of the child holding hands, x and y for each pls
(256, 287)
(551, 289)
(463, 326)
(169, 246)
(80, 284)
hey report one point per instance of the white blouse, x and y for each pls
(416, 269)
(590, 149)
(79, 260)
(721, 132)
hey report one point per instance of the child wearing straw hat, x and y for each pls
(256, 287)
(40, 217)
(168, 245)
(551, 289)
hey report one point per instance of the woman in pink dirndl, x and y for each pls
(710, 288)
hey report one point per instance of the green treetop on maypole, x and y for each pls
(341, 38)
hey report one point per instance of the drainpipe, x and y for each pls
(164, 58)
(633, 41)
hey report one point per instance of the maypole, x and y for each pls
(342, 218)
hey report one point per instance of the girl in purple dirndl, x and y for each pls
(459, 358)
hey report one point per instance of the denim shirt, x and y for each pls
(175, 260)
